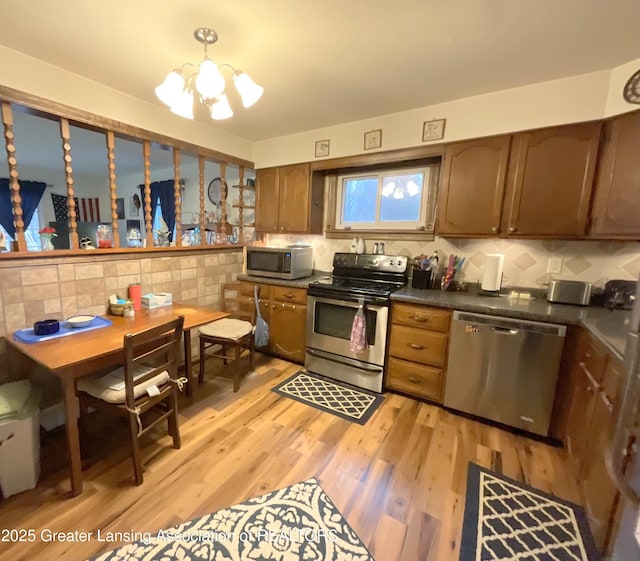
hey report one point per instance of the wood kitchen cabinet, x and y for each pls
(289, 200)
(418, 350)
(616, 201)
(596, 376)
(550, 181)
(284, 308)
(472, 187)
(544, 190)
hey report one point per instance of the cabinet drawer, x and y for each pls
(286, 294)
(592, 357)
(418, 345)
(415, 379)
(264, 290)
(422, 316)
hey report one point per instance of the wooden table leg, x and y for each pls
(187, 360)
(73, 435)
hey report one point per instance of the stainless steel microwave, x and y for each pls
(280, 262)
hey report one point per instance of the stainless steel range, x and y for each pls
(331, 306)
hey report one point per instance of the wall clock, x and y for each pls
(631, 90)
(214, 191)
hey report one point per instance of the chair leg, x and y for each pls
(174, 428)
(224, 352)
(203, 358)
(236, 376)
(252, 350)
(136, 456)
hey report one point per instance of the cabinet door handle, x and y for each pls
(512, 229)
(274, 306)
(587, 355)
(282, 228)
(413, 380)
(589, 389)
(419, 318)
(494, 229)
(288, 295)
(607, 402)
(416, 346)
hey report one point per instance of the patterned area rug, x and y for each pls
(296, 523)
(343, 400)
(506, 520)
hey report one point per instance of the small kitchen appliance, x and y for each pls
(569, 292)
(291, 262)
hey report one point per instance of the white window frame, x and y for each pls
(423, 223)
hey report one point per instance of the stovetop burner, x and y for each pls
(355, 275)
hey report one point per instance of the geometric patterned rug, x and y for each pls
(343, 400)
(507, 520)
(298, 522)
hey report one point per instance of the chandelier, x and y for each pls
(181, 84)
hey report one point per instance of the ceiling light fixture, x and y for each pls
(181, 84)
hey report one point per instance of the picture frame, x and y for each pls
(433, 130)
(373, 139)
(322, 148)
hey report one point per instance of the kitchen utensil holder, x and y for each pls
(421, 279)
(118, 309)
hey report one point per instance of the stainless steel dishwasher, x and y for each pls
(504, 369)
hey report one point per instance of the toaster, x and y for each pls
(569, 292)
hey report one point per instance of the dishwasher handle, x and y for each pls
(504, 330)
(508, 324)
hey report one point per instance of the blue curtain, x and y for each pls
(162, 193)
(30, 192)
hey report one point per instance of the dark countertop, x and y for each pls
(608, 326)
(297, 283)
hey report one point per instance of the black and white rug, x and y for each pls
(343, 400)
(506, 520)
(298, 522)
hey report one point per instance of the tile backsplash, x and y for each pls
(525, 260)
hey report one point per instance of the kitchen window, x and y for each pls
(391, 200)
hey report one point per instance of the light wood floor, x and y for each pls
(399, 480)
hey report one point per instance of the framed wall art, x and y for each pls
(433, 130)
(373, 139)
(322, 148)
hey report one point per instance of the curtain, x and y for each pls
(162, 193)
(30, 192)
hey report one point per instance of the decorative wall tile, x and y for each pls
(39, 275)
(89, 271)
(590, 261)
(129, 267)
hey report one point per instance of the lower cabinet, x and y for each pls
(418, 350)
(596, 376)
(285, 310)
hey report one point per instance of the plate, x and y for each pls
(80, 321)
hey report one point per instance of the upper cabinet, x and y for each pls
(550, 181)
(616, 203)
(472, 186)
(531, 184)
(288, 200)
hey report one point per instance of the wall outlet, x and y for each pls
(554, 265)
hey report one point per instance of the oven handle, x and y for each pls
(346, 361)
(346, 303)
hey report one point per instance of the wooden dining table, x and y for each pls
(88, 352)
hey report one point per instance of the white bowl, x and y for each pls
(80, 321)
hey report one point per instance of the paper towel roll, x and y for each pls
(492, 278)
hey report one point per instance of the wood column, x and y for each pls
(177, 185)
(146, 151)
(203, 238)
(240, 204)
(65, 134)
(14, 185)
(111, 157)
(223, 199)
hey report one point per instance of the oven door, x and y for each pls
(329, 324)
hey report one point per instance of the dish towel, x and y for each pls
(358, 340)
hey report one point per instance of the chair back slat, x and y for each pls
(158, 347)
(238, 300)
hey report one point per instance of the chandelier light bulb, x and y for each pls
(249, 91)
(172, 87)
(209, 82)
(221, 109)
(183, 105)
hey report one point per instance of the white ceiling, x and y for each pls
(324, 62)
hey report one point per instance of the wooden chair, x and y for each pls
(235, 332)
(151, 361)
